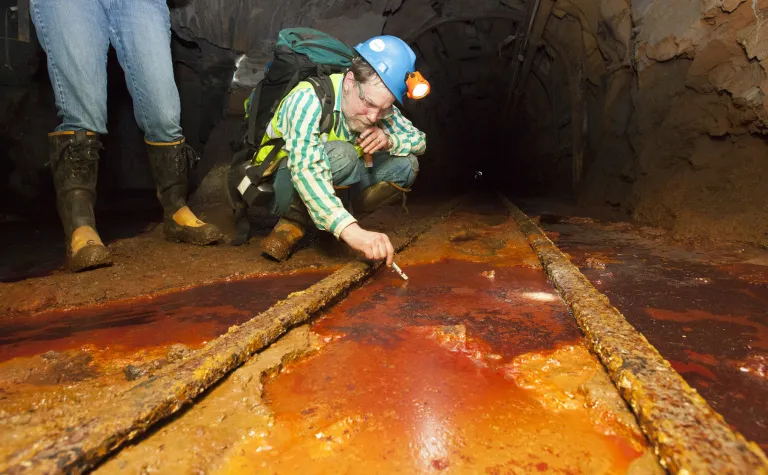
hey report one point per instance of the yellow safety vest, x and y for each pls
(332, 136)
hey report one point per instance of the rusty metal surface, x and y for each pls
(214, 426)
(701, 305)
(474, 365)
(83, 440)
(688, 435)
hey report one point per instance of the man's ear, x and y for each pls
(349, 77)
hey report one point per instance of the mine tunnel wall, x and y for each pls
(654, 108)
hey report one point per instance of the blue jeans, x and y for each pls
(76, 34)
(347, 169)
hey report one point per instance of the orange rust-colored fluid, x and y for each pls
(474, 365)
(454, 371)
(190, 317)
(707, 318)
(75, 355)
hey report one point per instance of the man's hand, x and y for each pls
(373, 139)
(375, 246)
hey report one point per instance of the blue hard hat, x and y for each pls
(392, 59)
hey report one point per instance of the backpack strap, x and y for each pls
(253, 107)
(242, 227)
(323, 87)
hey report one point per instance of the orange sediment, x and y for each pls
(472, 366)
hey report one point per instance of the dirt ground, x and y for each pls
(33, 277)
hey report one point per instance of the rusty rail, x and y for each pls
(87, 439)
(687, 434)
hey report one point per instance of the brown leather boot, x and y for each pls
(288, 231)
(169, 162)
(378, 195)
(74, 157)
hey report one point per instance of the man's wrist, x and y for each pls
(350, 228)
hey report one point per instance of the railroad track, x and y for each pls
(686, 434)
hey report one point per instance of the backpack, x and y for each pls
(300, 54)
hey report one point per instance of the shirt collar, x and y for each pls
(337, 105)
(343, 131)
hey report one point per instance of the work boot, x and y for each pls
(169, 162)
(378, 195)
(290, 228)
(74, 157)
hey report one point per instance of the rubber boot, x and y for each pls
(74, 158)
(169, 163)
(378, 195)
(290, 228)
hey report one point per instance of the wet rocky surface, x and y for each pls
(473, 365)
(187, 317)
(703, 305)
(231, 412)
(55, 365)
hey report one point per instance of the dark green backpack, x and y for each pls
(300, 54)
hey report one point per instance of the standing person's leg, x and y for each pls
(294, 217)
(75, 37)
(389, 178)
(140, 30)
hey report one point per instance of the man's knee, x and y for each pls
(411, 175)
(158, 111)
(344, 161)
(406, 170)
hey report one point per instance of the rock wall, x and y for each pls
(660, 109)
(575, 103)
(700, 120)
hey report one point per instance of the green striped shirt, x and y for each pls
(298, 121)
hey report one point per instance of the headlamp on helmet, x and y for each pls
(418, 87)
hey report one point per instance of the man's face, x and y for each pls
(363, 105)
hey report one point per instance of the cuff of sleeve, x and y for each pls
(397, 146)
(340, 223)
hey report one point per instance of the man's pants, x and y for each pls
(76, 34)
(348, 170)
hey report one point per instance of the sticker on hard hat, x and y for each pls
(377, 45)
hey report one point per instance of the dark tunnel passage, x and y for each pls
(657, 112)
(495, 121)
